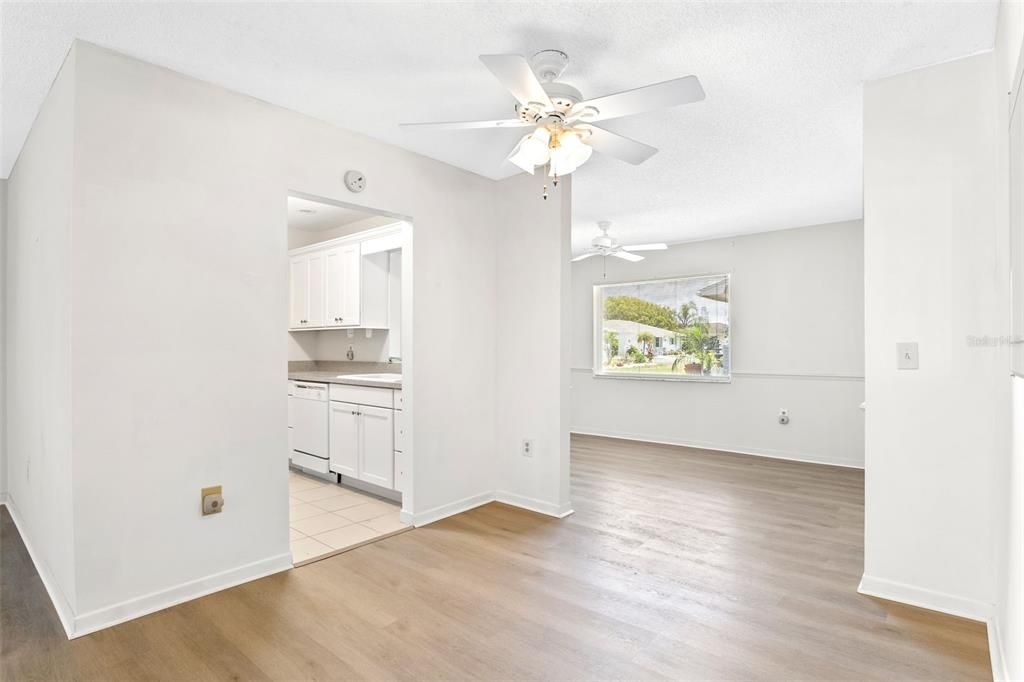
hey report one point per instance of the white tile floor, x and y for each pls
(328, 519)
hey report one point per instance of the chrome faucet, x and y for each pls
(392, 359)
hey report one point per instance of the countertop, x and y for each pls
(337, 377)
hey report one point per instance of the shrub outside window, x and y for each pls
(674, 328)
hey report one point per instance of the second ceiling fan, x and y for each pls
(563, 135)
(606, 245)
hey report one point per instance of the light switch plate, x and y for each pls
(906, 355)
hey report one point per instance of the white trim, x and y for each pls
(769, 454)
(925, 598)
(1000, 672)
(157, 601)
(743, 375)
(60, 603)
(445, 510)
(388, 230)
(534, 505)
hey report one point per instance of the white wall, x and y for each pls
(797, 319)
(532, 350)
(1006, 634)
(37, 306)
(333, 344)
(3, 342)
(177, 346)
(935, 273)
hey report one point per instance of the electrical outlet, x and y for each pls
(783, 416)
(527, 448)
(212, 500)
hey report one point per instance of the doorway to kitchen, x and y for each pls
(349, 459)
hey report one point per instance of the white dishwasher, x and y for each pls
(308, 409)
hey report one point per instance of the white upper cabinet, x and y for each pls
(316, 290)
(299, 292)
(339, 284)
(343, 286)
(307, 291)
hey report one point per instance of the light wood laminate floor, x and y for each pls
(678, 563)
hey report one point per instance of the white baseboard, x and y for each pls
(925, 598)
(452, 508)
(157, 601)
(717, 447)
(534, 505)
(60, 603)
(1000, 673)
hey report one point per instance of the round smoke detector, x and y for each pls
(355, 181)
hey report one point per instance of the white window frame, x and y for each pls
(598, 334)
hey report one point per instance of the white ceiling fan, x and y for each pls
(564, 135)
(605, 245)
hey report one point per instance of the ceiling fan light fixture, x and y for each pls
(532, 150)
(568, 153)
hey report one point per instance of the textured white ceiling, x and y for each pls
(776, 144)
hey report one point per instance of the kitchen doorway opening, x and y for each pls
(349, 360)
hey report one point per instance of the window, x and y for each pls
(666, 329)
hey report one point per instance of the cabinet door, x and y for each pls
(344, 441)
(317, 305)
(334, 277)
(351, 284)
(378, 452)
(299, 308)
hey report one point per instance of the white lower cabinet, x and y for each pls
(362, 442)
(344, 439)
(378, 450)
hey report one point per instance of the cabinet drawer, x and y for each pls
(362, 395)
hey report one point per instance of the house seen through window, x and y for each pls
(669, 328)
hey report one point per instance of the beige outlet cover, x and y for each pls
(206, 492)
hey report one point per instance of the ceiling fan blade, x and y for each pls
(468, 125)
(658, 96)
(626, 255)
(515, 73)
(645, 247)
(584, 256)
(620, 147)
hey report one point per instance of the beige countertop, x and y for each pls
(337, 377)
